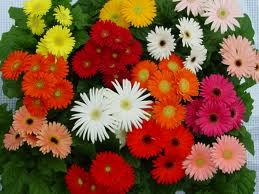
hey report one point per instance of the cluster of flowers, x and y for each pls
(109, 174)
(110, 49)
(36, 132)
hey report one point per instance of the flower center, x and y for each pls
(256, 67)
(17, 136)
(238, 63)
(54, 140)
(175, 142)
(213, 118)
(128, 51)
(126, 104)
(53, 68)
(37, 7)
(193, 59)
(200, 162)
(115, 18)
(98, 50)
(143, 75)
(173, 66)
(147, 139)
(29, 121)
(216, 92)
(233, 113)
(105, 34)
(80, 181)
(187, 34)
(116, 76)
(138, 9)
(164, 86)
(169, 164)
(93, 187)
(57, 93)
(184, 85)
(227, 154)
(35, 67)
(39, 84)
(95, 114)
(107, 168)
(115, 55)
(162, 43)
(118, 40)
(222, 13)
(169, 111)
(59, 41)
(87, 64)
(16, 65)
(37, 102)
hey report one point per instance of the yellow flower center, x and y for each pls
(169, 111)
(93, 187)
(80, 181)
(200, 162)
(39, 84)
(87, 64)
(227, 154)
(115, 17)
(16, 65)
(37, 7)
(116, 76)
(57, 93)
(126, 104)
(95, 114)
(138, 10)
(164, 86)
(35, 67)
(37, 102)
(143, 75)
(222, 13)
(184, 85)
(59, 41)
(108, 169)
(53, 68)
(172, 66)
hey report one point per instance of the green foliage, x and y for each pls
(81, 37)
(18, 15)
(6, 118)
(80, 19)
(248, 101)
(12, 88)
(86, 85)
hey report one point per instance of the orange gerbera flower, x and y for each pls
(187, 84)
(14, 65)
(162, 85)
(37, 107)
(36, 63)
(57, 66)
(143, 71)
(174, 63)
(62, 95)
(169, 113)
(40, 85)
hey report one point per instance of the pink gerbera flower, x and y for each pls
(30, 139)
(239, 55)
(12, 140)
(216, 88)
(255, 74)
(191, 114)
(228, 154)
(237, 111)
(222, 14)
(194, 6)
(199, 163)
(214, 119)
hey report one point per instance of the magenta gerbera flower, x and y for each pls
(228, 154)
(237, 111)
(216, 88)
(214, 119)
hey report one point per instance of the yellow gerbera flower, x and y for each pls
(112, 11)
(139, 13)
(37, 7)
(42, 48)
(36, 24)
(63, 15)
(59, 41)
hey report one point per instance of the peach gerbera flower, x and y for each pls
(12, 140)
(174, 63)
(30, 139)
(255, 74)
(55, 138)
(142, 72)
(169, 113)
(25, 123)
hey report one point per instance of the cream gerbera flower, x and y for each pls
(59, 41)
(63, 15)
(37, 7)
(36, 24)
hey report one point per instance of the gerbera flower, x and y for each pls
(85, 64)
(63, 15)
(216, 88)
(187, 84)
(191, 114)
(110, 169)
(190, 32)
(115, 74)
(93, 116)
(112, 11)
(36, 24)
(95, 49)
(77, 179)
(12, 140)
(35, 63)
(93, 188)
(237, 111)
(122, 38)
(167, 169)
(174, 63)
(239, 55)
(59, 41)
(55, 138)
(58, 67)
(37, 107)
(30, 139)
(196, 59)
(222, 14)
(24, 122)
(214, 119)
(62, 95)
(142, 72)
(160, 43)
(139, 13)
(199, 164)
(132, 52)
(180, 140)
(145, 142)
(37, 7)
(255, 74)
(161, 85)
(42, 48)
(128, 104)
(228, 154)
(169, 113)
(39, 85)
(14, 65)
(195, 7)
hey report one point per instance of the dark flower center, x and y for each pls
(147, 139)
(162, 43)
(257, 67)
(233, 113)
(175, 142)
(238, 63)
(54, 140)
(29, 121)
(169, 164)
(213, 118)
(17, 136)
(216, 92)
(193, 59)
(187, 34)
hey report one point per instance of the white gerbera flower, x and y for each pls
(196, 59)
(190, 32)
(128, 104)
(161, 43)
(93, 116)
(194, 6)
(121, 136)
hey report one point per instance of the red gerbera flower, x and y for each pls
(77, 180)
(180, 141)
(131, 53)
(93, 188)
(36, 63)
(37, 107)
(62, 94)
(122, 37)
(102, 33)
(92, 47)
(145, 142)
(14, 65)
(57, 66)
(112, 56)
(85, 64)
(110, 74)
(110, 170)
(167, 169)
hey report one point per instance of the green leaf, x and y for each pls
(140, 33)
(248, 83)
(18, 15)
(52, 164)
(86, 85)
(248, 102)
(81, 37)
(38, 186)
(6, 118)
(246, 28)
(131, 160)
(80, 19)
(12, 88)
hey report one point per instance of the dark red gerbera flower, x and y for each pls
(167, 169)
(145, 142)
(131, 53)
(109, 75)
(122, 38)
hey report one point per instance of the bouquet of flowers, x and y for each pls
(127, 96)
